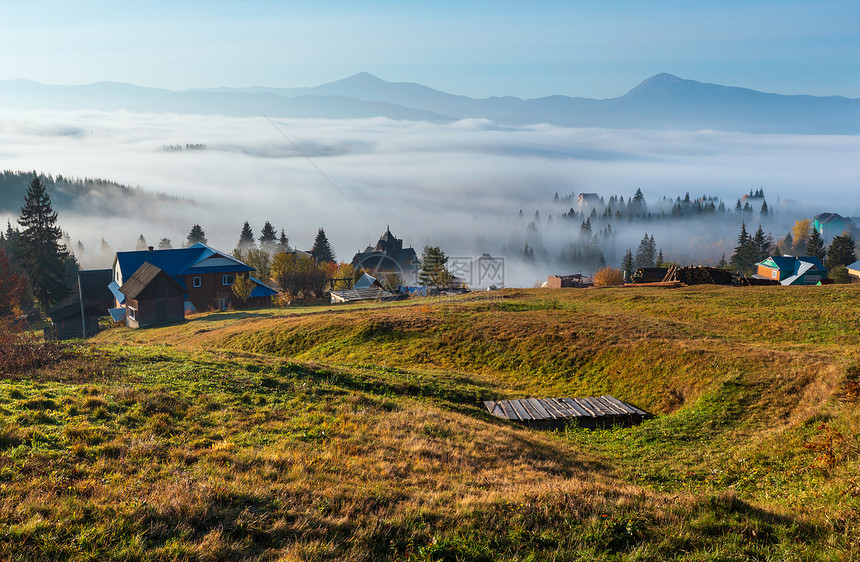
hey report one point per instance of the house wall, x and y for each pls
(768, 272)
(70, 327)
(211, 289)
(553, 282)
(156, 310)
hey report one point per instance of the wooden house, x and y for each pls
(205, 275)
(854, 272)
(568, 281)
(72, 320)
(389, 257)
(791, 270)
(152, 297)
(831, 225)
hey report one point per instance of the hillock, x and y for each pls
(358, 432)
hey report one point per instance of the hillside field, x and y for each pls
(357, 432)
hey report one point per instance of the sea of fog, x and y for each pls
(458, 185)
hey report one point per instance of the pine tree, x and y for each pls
(322, 251)
(840, 251)
(268, 237)
(141, 243)
(434, 271)
(815, 246)
(627, 265)
(722, 263)
(284, 242)
(646, 253)
(246, 238)
(762, 245)
(40, 254)
(764, 210)
(745, 252)
(660, 262)
(196, 235)
(165, 244)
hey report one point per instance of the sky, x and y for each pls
(475, 48)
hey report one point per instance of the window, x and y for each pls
(132, 313)
(774, 273)
(197, 281)
(227, 279)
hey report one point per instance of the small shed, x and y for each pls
(67, 322)
(261, 294)
(152, 297)
(555, 413)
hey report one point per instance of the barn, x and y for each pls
(152, 297)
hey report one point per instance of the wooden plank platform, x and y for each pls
(552, 413)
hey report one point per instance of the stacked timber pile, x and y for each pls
(649, 275)
(755, 281)
(699, 275)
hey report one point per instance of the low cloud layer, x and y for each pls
(451, 184)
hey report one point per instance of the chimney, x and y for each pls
(151, 248)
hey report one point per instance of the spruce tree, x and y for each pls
(284, 242)
(627, 265)
(246, 238)
(434, 270)
(322, 251)
(39, 253)
(268, 237)
(196, 235)
(815, 246)
(840, 251)
(141, 243)
(745, 252)
(165, 244)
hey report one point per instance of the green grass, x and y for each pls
(358, 433)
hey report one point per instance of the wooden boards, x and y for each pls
(551, 413)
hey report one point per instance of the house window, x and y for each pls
(197, 281)
(227, 279)
(774, 273)
(132, 313)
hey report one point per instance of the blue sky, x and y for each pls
(590, 49)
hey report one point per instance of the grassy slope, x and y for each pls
(357, 432)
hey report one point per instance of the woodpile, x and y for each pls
(699, 275)
(649, 275)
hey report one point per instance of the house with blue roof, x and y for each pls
(204, 274)
(791, 270)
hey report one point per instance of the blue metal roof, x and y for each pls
(114, 289)
(261, 289)
(855, 266)
(176, 262)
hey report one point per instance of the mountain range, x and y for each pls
(662, 102)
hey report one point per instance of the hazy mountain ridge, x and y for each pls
(661, 102)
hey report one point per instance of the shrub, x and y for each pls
(608, 277)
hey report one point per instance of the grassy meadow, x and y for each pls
(357, 432)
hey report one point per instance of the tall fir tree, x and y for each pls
(196, 235)
(268, 237)
(434, 269)
(246, 238)
(141, 243)
(39, 253)
(646, 253)
(284, 242)
(815, 246)
(627, 265)
(322, 251)
(165, 244)
(840, 251)
(745, 252)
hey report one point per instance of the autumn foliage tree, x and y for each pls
(12, 287)
(608, 277)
